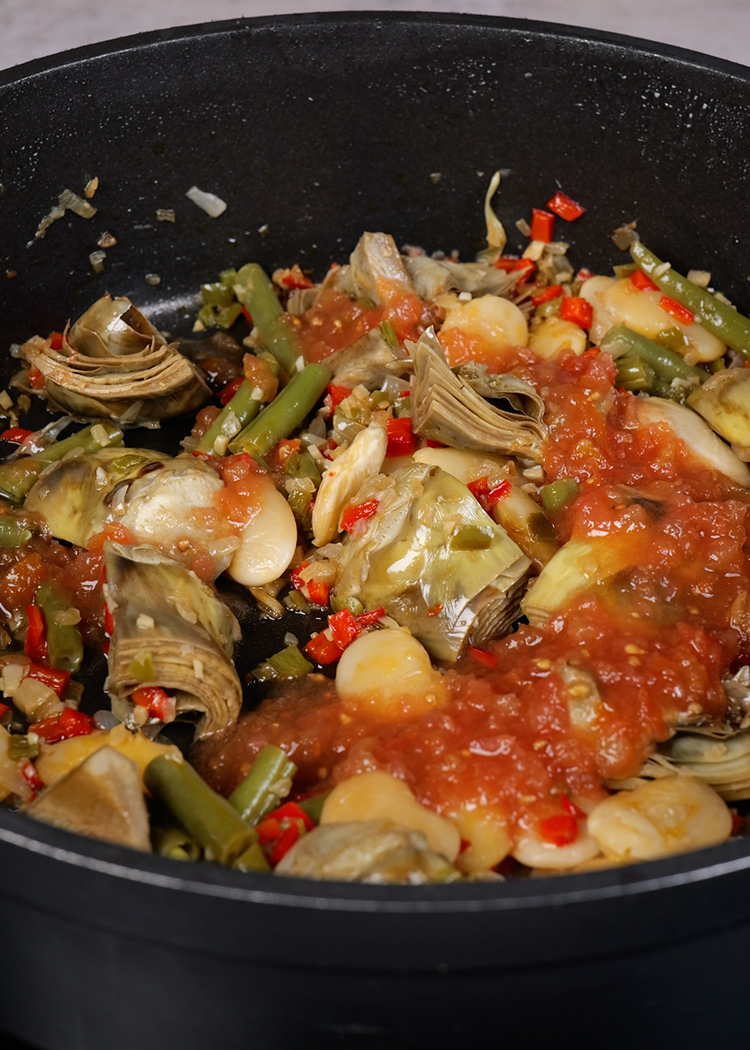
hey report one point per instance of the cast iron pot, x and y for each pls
(314, 129)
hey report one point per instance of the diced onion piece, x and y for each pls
(209, 202)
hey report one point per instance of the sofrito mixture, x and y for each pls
(515, 496)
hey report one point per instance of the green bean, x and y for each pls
(18, 476)
(555, 495)
(285, 413)
(207, 817)
(253, 859)
(255, 797)
(313, 805)
(243, 406)
(633, 373)
(171, 840)
(12, 532)
(622, 341)
(723, 321)
(256, 293)
(64, 641)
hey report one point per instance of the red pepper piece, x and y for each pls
(36, 378)
(344, 628)
(157, 702)
(676, 310)
(56, 341)
(367, 619)
(570, 807)
(400, 437)
(498, 492)
(322, 649)
(564, 206)
(488, 659)
(479, 487)
(291, 811)
(268, 830)
(436, 609)
(297, 582)
(16, 434)
(31, 776)
(284, 843)
(358, 512)
(52, 677)
(579, 311)
(4, 708)
(542, 225)
(248, 318)
(335, 395)
(511, 263)
(593, 351)
(226, 393)
(551, 292)
(35, 643)
(318, 592)
(109, 621)
(584, 274)
(68, 723)
(559, 830)
(642, 281)
(296, 279)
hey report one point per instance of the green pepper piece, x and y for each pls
(555, 495)
(64, 641)
(12, 532)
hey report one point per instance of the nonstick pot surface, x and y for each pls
(314, 129)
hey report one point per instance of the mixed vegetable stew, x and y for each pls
(513, 496)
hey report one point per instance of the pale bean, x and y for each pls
(268, 541)
(554, 335)
(380, 796)
(389, 674)
(496, 321)
(486, 831)
(534, 852)
(670, 815)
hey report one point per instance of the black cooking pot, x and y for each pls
(314, 129)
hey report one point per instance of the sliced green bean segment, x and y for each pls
(285, 413)
(290, 663)
(170, 840)
(253, 859)
(18, 476)
(313, 805)
(206, 816)
(622, 341)
(633, 373)
(723, 321)
(243, 407)
(255, 796)
(555, 495)
(64, 641)
(256, 293)
(13, 533)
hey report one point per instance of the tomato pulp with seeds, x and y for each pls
(562, 707)
(336, 322)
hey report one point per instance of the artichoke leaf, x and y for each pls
(171, 627)
(434, 277)
(434, 560)
(724, 402)
(447, 408)
(114, 364)
(721, 760)
(377, 268)
(368, 361)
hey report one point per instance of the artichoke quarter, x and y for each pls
(170, 631)
(114, 364)
(724, 402)
(435, 560)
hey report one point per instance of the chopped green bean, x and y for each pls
(256, 293)
(622, 341)
(313, 805)
(633, 373)
(243, 407)
(12, 532)
(171, 840)
(207, 817)
(253, 859)
(18, 476)
(285, 413)
(555, 495)
(255, 796)
(64, 641)
(723, 321)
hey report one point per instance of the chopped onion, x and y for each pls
(209, 202)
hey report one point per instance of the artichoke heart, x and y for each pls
(452, 407)
(170, 631)
(724, 402)
(723, 761)
(162, 501)
(114, 364)
(434, 560)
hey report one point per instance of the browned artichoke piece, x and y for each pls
(368, 361)
(434, 560)
(114, 364)
(724, 402)
(453, 408)
(376, 851)
(170, 631)
(722, 760)
(377, 268)
(102, 798)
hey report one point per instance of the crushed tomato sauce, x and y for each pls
(582, 699)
